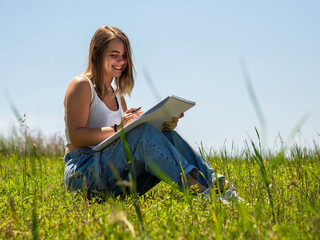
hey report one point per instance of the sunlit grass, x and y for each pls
(39, 206)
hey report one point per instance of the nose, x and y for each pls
(122, 59)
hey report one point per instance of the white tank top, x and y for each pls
(99, 114)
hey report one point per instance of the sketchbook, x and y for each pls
(171, 106)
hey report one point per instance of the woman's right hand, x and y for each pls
(130, 115)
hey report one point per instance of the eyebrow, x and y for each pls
(114, 51)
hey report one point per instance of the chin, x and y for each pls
(117, 75)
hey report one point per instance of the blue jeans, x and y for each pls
(155, 154)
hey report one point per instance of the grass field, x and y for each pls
(280, 191)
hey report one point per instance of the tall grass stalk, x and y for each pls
(35, 223)
(264, 174)
(133, 176)
(254, 98)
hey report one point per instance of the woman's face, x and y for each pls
(114, 59)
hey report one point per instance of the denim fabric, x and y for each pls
(155, 154)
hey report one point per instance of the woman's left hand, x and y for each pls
(171, 125)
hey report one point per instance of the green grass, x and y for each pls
(281, 192)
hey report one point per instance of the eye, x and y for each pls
(114, 55)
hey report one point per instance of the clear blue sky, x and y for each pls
(190, 48)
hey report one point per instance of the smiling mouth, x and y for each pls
(118, 68)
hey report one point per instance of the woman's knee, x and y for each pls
(144, 132)
(147, 128)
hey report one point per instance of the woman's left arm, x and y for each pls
(171, 125)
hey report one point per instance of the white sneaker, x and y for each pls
(220, 179)
(229, 194)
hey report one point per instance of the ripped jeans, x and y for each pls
(155, 154)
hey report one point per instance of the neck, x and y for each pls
(107, 82)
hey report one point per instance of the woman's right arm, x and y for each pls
(77, 105)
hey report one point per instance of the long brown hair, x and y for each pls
(99, 42)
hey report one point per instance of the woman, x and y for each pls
(94, 110)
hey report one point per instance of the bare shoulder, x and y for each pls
(79, 88)
(79, 82)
